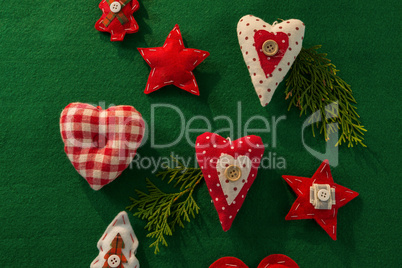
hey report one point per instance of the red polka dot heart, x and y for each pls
(229, 169)
(269, 51)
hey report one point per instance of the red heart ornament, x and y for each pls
(228, 262)
(100, 143)
(272, 261)
(229, 169)
(269, 64)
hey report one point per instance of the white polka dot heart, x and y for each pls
(229, 169)
(269, 51)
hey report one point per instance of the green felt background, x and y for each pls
(51, 55)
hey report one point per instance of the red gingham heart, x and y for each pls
(100, 143)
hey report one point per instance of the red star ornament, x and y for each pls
(319, 198)
(173, 64)
(117, 18)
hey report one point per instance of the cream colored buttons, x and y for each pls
(113, 261)
(323, 195)
(270, 48)
(233, 173)
(115, 7)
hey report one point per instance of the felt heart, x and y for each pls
(272, 261)
(100, 143)
(269, 51)
(229, 169)
(268, 63)
(231, 190)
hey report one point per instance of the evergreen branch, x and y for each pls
(313, 85)
(165, 211)
(180, 174)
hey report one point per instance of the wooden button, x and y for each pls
(233, 173)
(270, 48)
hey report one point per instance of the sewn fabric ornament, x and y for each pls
(319, 198)
(100, 143)
(173, 64)
(229, 169)
(117, 18)
(272, 261)
(269, 51)
(118, 245)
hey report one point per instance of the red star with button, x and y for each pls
(319, 198)
(117, 18)
(172, 64)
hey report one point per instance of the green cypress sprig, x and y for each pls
(165, 211)
(313, 85)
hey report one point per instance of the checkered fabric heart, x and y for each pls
(100, 143)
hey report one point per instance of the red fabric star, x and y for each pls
(303, 209)
(173, 64)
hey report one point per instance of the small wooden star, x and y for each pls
(172, 64)
(319, 198)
